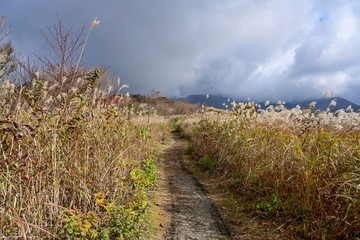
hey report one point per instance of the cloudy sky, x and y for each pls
(263, 49)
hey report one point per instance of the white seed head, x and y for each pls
(233, 104)
(53, 86)
(79, 81)
(332, 103)
(124, 86)
(94, 23)
(110, 89)
(312, 104)
(11, 88)
(349, 108)
(96, 92)
(63, 80)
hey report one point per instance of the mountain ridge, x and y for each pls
(220, 102)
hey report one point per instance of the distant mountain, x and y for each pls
(212, 101)
(321, 104)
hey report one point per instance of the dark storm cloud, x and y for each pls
(265, 49)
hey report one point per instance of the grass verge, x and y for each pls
(235, 211)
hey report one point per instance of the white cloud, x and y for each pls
(265, 49)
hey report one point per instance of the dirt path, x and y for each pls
(186, 211)
(191, 213)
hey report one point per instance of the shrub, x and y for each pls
(268, 207)
(207, 163)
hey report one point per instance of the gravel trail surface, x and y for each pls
(192, 213)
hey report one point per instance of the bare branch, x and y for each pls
(4, 29)
(64, 45)
(25, 71)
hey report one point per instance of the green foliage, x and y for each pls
(123, 222)
(146, 177)
(35, 94)
(77, 225)
(207, 163)
(150, 170)
(140, 178)
(87, 89)
(175, 125)
(7, 59)
(145, 133)
(269, 207)
(189, 149)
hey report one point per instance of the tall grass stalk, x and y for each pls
(93, 24)
(69, 168)
(311, 161)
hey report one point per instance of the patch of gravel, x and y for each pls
(193, 215)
